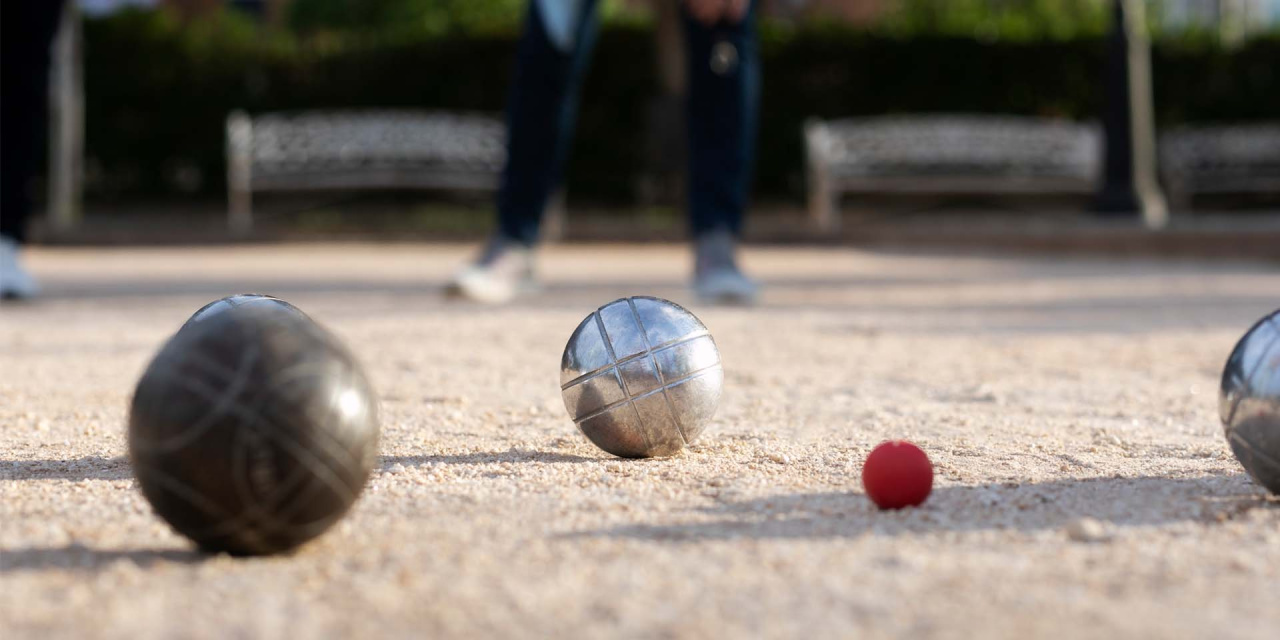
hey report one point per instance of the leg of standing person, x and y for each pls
(551, 59)
(25, 49)
(724, 92)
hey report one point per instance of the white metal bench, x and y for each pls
(320, 150)
(947, 155)
(1224, 159)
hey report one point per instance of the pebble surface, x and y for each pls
(1083, 487)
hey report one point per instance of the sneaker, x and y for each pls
(15, 282)
(503, 271)
(716, 277)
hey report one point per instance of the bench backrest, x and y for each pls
(354, 140)
(1226, 150)
(956, 145)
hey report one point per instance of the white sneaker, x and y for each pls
(716, 277)
(503, 271)
(725, 286)
(15, 282)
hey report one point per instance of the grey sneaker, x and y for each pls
(503, 271)
(15, 282)
(716, 277)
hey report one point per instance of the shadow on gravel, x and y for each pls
(1116, 502)
(484, 457)
(89, 468)
(77, 557)
(159, 286)
(1082, 314)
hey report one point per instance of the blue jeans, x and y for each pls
(24, 82)
(542, 108)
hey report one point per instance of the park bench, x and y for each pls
(1223, 159)
(947, 155)
(336, 150)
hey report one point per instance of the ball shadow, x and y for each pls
(87, 468)
(77, 557)
(487, 457)
(1121, 502)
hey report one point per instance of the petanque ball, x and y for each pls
(241, 301)
(1249, 402)
(253, 432)
(641, 377)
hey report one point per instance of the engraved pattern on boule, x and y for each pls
(1249, 402)
(253, 432)
(641, 377)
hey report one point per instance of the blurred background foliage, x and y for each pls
(395, 19)
(159, 84)
(409, 19)
(986, 20)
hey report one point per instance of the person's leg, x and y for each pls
(26, 40)
(541, 111)
(724, 92)
(25, 48)
(550, 60)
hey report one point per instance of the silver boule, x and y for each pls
(641, 377)
(1249, 402)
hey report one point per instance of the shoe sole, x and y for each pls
(455, 291)
(727, 299)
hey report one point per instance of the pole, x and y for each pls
(1154, 208)
(1129, 184)
(66, 97)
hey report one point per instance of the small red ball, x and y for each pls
(897, 474)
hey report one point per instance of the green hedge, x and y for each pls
(157, 94)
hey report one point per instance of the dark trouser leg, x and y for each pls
(541, 110)
(28, 30)
(722, 114)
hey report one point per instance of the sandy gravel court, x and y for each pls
(1084, 488)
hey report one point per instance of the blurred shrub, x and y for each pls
(399, 19)
(406, 18)
(990, 20)
(158, 93)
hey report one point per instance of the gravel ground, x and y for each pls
(1083, 488)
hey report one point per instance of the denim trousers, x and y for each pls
(26, 42)
(721, 114)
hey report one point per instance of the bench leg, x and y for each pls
(554, 218)
(1179, 196)
(824, 207)
(239, 168)
(239, 210)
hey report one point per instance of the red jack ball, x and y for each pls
(897, 474)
